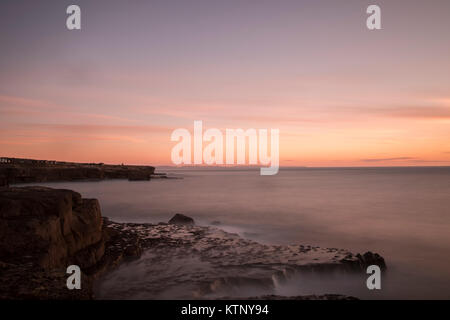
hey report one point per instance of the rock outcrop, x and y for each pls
(29, 172)
(363, 261)
(181, 219)
(53, 227)
(42, 231)
(204, 262)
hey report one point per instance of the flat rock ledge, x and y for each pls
(206, 259)
(44, 230)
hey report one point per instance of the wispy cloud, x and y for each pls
(397, 111)
(430, 112)
(403, 159)
(389, 159)
(34, 108)
(46, 133)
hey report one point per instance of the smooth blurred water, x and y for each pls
(401, 213)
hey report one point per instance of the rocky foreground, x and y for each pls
(205, 261)
(43, 230)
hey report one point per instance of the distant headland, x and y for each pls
(17, 170)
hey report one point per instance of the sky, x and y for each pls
(113, 92)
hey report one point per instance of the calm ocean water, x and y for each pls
(401, 213)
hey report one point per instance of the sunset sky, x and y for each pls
(114, 91)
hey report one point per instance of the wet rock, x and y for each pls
(120, 243)
(181, 219)
(358, 261)
(211, 261)
(370, 258)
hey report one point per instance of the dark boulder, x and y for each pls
(181, 219)
(370, 258)
(361, 262)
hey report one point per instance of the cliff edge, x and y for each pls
(13, 170)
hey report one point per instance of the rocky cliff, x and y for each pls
(42, 231)
(28, 171)
(55, 228)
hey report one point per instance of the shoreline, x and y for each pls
(53, 228)
(208, 259)
(15, 171)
